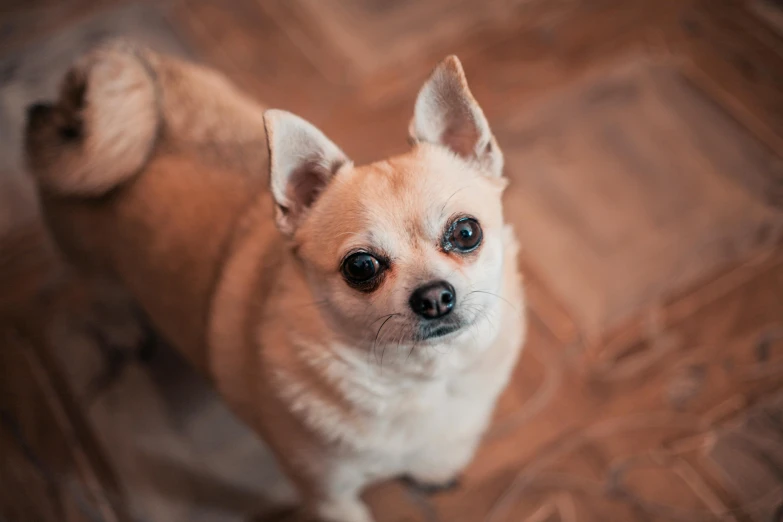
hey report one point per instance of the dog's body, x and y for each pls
(346, 384)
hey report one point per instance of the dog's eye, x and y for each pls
(360, 268)
(465, 235)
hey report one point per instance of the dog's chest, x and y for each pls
(393, 414)
(457, 405)
(424, 419)
(413, 414)
(386, 418)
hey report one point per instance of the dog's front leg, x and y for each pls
(343, 508)
(334, 496)
(438, 466)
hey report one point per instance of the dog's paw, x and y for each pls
(429, 488)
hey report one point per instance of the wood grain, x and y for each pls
(616, 215)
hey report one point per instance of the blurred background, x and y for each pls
(643, 142)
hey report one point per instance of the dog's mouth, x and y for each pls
(441, 329)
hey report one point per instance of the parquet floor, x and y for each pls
(644, 141)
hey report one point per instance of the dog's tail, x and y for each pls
(103, 127)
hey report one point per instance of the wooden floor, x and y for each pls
(644, 141)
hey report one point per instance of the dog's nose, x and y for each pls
(433, 300)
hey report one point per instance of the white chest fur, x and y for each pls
(415, 410)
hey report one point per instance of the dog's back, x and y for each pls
(145, 165)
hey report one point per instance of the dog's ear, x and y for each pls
(302, 161)
(447, 114)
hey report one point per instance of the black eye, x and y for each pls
(465, 235)
(360, 268)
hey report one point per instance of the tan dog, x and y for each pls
(363, 319)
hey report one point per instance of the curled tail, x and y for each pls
(103, 127)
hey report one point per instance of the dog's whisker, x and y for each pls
(396, 338)
(443, 209)
(399, 342)
(414, 344)
(497, 296)
(382, 318)
(378, 333)
(384, 345)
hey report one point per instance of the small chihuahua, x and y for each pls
(362, 319)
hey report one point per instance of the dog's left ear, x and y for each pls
(447, 114)
(302, 161)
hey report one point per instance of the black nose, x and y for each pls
(433, 300)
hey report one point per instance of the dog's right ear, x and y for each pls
(302, 161)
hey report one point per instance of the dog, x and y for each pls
(362, 319)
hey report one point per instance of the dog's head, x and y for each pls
(404, 250)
